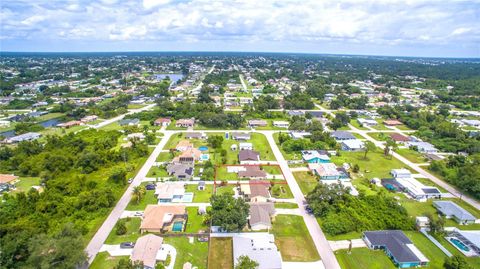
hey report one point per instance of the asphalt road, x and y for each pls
(101, 235)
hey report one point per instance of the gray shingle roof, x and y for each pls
(450, 208)
(396, 243)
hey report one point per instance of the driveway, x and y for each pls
(344, 244)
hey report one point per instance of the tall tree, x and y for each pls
(369, 146)
(244, 262)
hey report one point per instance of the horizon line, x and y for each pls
(231, 51)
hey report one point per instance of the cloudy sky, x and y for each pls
(383, 27)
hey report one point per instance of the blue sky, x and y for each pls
(436, 28)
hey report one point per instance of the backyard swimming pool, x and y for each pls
(204, 157)
(177, 226)
(187, 197)
(459, 244)
(203, 148)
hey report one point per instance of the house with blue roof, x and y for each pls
(315, 156)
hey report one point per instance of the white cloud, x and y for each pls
(154, 3)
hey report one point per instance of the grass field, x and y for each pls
(26, 183)
(281, 191)
(225, 189)
(157, 171)
(220, 254)
(286, 205)
(200, 196)
(306, 181)
(362, 258)
(411, 155)
(148, 199)
(195, 221)
(355, 123)
(104, 261)
(196, 253)
(132, 234)
(293, 239)
(287, 156)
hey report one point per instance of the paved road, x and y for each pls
(117, 118)
(101, 235)
(414, 166)
(321, 243)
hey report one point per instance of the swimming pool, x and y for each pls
(459, 244)
(203, 148)
(177, 226)
(204, 157)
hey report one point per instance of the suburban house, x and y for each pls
(185, 123)
(392, 122)
(245, 146)
(397, 246)
(399, 138)
(248, 156)
(423, 147)
(292, 113)
(180, 170)
(453, 211)
(352, 145)
(89, 118)
(240, 136)
(184, 145)
(342, 135)
(299, 134)
(146, 249)
(252, 172)
(316, 114)
(327, 171)
(192, 135)
(70, 124)
(471, 239)
(257, 123)
(259, 247)
(255, 190)
(366, 122)
(169, 192)
(129, 122)
(188, 156)
(139, 136)
(315, 156)
(414, 188)
(162, 122)
(6, 178)
(163, 218)
(23, 137)
(281, 124)
(261, 216)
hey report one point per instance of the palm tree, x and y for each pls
(138, 193)
(390, 145)
(369, 146)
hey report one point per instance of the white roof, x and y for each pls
(472, 236)
(417, 252)
(414, 186)
(353, 143)
(259, 247)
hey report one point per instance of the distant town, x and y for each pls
(238, 160)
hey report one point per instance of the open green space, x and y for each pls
(355, 124)
(104, 261)
(157, 171)
(200, 196)
(306, 181)
(411, 155)
(286, 155)
(220, 254)
(225, 189)
(360, 258)
(132, 234)
(293, 239)
(24, 184)
(148, 199)
(286, 205)
(196, 253)
(281, 191)
(195, 221)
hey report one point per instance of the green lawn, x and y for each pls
(104, 261)
(195, 221)
(375, 165)
(220, 254)
(272, 169)
(306, 181)
(286, 205)
(200, 196)
(26, 183)
(49, 116)
(363, 258)
(132, 234)
(157, 171)
(411, 155)
(287, 156)
(135, 106)
(379, 136)
(225, 189)
(196, 253)
(472, 261)
(293, 239)
(281, 191)
(148, 199)
(164, 157)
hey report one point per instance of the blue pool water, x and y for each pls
(187, 197)
(459, 244)
(177, 226)
(203, 148)
(204, 157)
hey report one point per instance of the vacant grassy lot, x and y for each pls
(293, 239)
(306, 181)
(411, 155)
(287, 156)
(148, 199)
(361, 258)
(375, 165)
(26, 183)
(132, 234)
(103, 260)
(225, 189)
(220, 254)
(196, 253)
(281, 191)
(157, 171)
(286, 205)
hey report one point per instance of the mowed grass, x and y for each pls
(293, 239)
(363, 258)
(195, 221)
(220, 254)
(411, 155)
(196, 253)
(104, 261)
(281, 191)
(148, 199)
(24, 184)
(375, 165)
(286, 205)
(306, 181)
(132, 234)
(200, 196)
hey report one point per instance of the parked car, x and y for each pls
(130, 180)
(150, 187)
(202, 239)
(138, 214)
(308, 209)
(127, 245)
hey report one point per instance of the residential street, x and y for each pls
(101, 235)
(117, 118)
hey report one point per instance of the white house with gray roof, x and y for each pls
(453, 211)
(259, 247)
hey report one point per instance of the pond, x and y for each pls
(50, 123)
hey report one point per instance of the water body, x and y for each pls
(173, 77)
(8, 134)
(50, 123)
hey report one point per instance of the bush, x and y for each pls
(120, 227)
